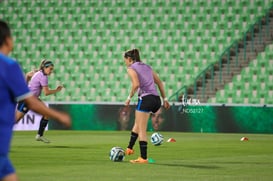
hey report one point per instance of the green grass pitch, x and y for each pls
(84, 155)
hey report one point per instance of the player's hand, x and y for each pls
(59, 88)
(30, 74)
(127, 102)
(62, 118)
(166, 104)
(65, 119)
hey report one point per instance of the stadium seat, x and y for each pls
(254, 82)
(86, 36)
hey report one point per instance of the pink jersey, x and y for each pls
(37, 82)
(146, 79)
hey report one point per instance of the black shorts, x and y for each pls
(149, 103)
(22, 107)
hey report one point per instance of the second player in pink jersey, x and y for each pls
(38, 84)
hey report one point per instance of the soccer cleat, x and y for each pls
(41, 138)
(129, 151)
(139, 160)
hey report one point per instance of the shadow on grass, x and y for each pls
(188, 165)
(59, 146)
(48, 146)
(70, 147)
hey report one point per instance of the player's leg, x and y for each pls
(135, 127)
(10, 177)
(43, 124)
(22, 109)
(142, 120)
(134, 134)
(150, 103)
(133, 138)
(41, 130)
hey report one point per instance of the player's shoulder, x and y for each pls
(139, 64)
(143, 64)
(146, 65)
(8, 64)
(5, 60)
(39, 75)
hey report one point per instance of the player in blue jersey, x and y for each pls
(144, 81)
(13, 88)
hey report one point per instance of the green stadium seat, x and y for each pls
(91, 34)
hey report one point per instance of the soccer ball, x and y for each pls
(157, 139)
(117, 154)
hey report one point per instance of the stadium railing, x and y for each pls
(248, 36)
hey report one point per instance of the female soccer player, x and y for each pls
(144, 80)
(13, 88)
(38, 83)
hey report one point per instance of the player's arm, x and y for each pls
(135, 84)
(29, 75)
(34, 104)
(48, 91)
(159, 83)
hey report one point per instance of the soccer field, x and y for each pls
(84, 155)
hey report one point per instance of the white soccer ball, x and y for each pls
(117, 154)
(157, 139)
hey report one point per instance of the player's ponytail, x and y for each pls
(42, 64)
(133, 54)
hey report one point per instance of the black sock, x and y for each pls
(143, 149)
(133, 139)
(43, 124)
